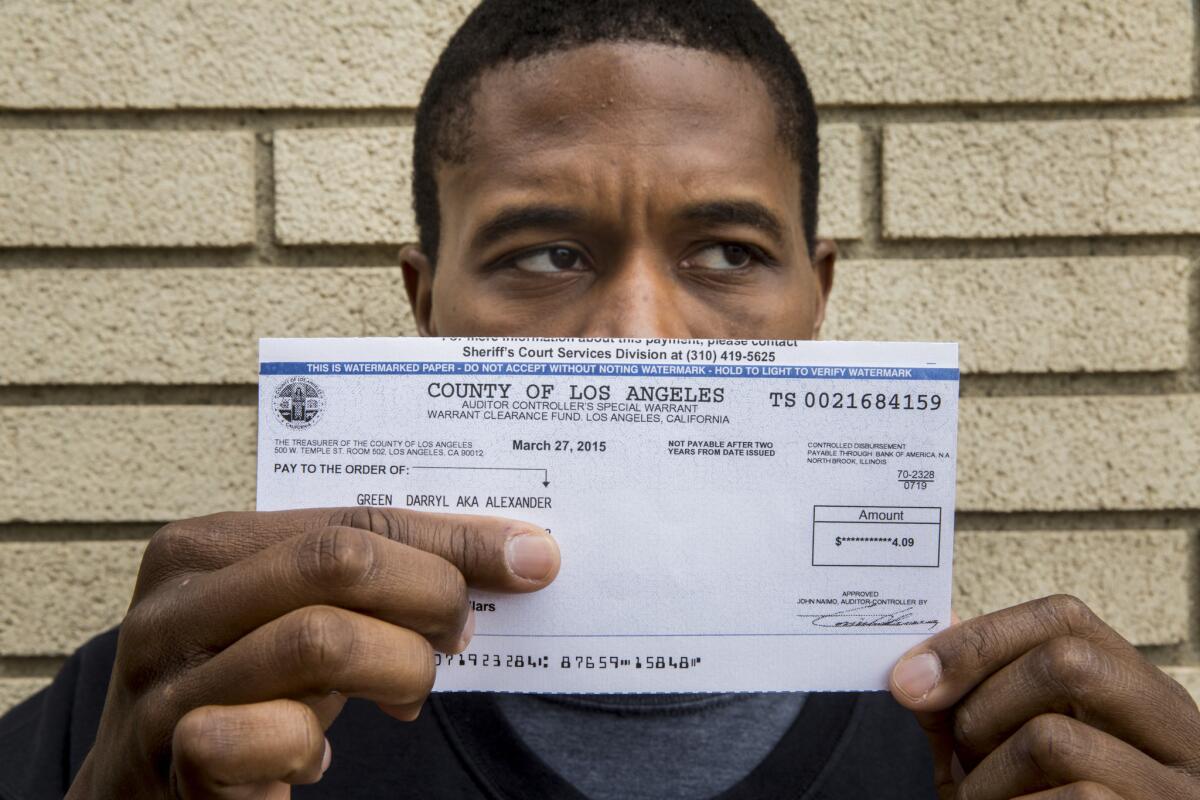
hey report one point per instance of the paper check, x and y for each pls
(732, 516)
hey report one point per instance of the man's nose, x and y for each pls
(640, 299)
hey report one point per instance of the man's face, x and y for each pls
(622, 190)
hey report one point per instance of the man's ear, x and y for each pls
(418, 284)
(823, 258)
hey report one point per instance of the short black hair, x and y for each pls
(509, 31)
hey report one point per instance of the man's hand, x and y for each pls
(1045, 701)
(248, 632)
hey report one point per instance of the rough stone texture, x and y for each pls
(1064, 453)
(861, 52)
(125, 463)
(225, 53)
(141, 188)
(14, 690)
(57, 595)
(1137, 581)
(190, 326)
(340, 186)
(353, 185)
(1073, 178)
(841, 214)
(1023, 315)
(221, 53)
(1189, 677)
(155, 463)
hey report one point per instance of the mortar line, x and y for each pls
(1122, 245)
(299, 256)
(203, 119)
(129, 394)
(1196, 49)
(224, 119)
(1193, 305)
(264, 198)
(1086, 520)
(18, 666)
(966, 521)
(1029, 523)
(1191, 647)
(244, 393)
(1047, 111)
(871, 188)
(44, 532)
(1024, 247)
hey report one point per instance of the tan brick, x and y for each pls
(1073, 178)
(378, 54)
(340, 186)
(931, 51)
(57, 595)
(153, 463)
(1064, 453)
(353, 185)
(1137, 581)
(190, 326)
(1188, 677)
(1023, 315)
(125, 463)
(139, 188)
(220, 53)
(841, 182)
(15, 690)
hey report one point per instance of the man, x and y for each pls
(581, 169)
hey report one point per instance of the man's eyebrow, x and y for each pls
(512, 220)
(736, 212)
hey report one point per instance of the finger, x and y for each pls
(232, 751)
(1084, 790)
(937, 673)
(310, 652)
(326, 707)
(1125, 697)
(1052, 751)
(345, 567)
(939, 731)
(492, 552)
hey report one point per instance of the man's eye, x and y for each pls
(549, 259)
(726, 256)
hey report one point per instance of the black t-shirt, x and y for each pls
(840, 746)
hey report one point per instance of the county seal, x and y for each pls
(298, 402)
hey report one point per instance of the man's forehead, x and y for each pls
(541, 122)
(575, 89)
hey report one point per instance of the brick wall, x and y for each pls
(177, 179)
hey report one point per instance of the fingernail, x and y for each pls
(531, 556)
(404, 713)
(916, 676)
(468, 631)
(327, 759)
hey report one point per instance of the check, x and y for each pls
(732, 515)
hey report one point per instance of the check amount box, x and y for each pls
(877, 536)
